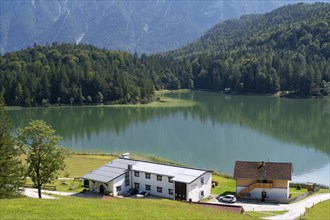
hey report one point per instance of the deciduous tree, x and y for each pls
(45, 159)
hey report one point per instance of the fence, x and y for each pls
(51, 188)
(290, 200)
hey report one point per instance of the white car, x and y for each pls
(142, 194)
(227, 198)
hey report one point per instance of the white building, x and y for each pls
(173, 182)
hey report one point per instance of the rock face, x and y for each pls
(132, 25)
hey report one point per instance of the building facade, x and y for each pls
(262, 180)
(173, 182)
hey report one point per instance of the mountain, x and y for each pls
(286, 50)
(132, 25)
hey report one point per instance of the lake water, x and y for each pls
(212, 134)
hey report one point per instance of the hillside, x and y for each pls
(285, 50)
(134, 25)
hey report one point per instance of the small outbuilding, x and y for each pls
(262, 180)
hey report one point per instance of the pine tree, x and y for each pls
(11, 175)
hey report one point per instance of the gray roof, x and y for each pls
(109, 171)
(119, 166)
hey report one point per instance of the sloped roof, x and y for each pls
(109, 171)
(119, 166)
(262, 170)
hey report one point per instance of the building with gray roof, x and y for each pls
(169, 181)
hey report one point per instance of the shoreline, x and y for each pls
(166, 100)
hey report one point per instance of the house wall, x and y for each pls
(272, 194)
(95, 186)
(119, 181)
(154, 183)
(276, 183)
(245, 182)
(195, 188)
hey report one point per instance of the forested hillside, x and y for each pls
(285, 50)
(70, 74)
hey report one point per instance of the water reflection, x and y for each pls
(212, 134)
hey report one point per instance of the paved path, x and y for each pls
(33, 193)
(294, 210)
(298, 209)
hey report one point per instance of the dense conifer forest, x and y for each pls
(285, 50)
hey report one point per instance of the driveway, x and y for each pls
(294, 210)
(33, 193)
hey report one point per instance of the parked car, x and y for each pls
(227, 198)
(130, 192)
(142, 194)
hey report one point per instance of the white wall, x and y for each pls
(272, 194)
(119, 181)
(154, 183)
(194, 189)
(94, 186)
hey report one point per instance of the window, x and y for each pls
(118, 188)
(148, 187)
(137, 174)
(202, 180)
(159, 177)
(147, 175)
(126, 179)
(137, 185)
(170, 180)
(202, 193)
(159, 189)
(170, 191)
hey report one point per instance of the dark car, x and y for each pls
(142, 194)
(131, 192)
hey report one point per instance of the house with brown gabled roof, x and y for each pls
(262, 180)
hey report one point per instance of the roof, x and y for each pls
(262, 170)
(119, 166)
(109, 171)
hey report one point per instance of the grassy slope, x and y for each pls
(319, 211)
(79, 208)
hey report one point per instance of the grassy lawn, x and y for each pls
(318, 211)
(295, 192)
(114, 208)
(81, 164)
(225, 185)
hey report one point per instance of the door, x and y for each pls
(263, 195)
(180, 191)
(102, 189)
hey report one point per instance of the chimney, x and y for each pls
(261, 165)
(125, 156)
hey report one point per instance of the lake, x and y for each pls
(213, 133)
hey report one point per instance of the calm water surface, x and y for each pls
(212, 134)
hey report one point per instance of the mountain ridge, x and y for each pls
(133, 26)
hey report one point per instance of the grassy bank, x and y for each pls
(114, 208)
(318, 211)
(160, 102)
